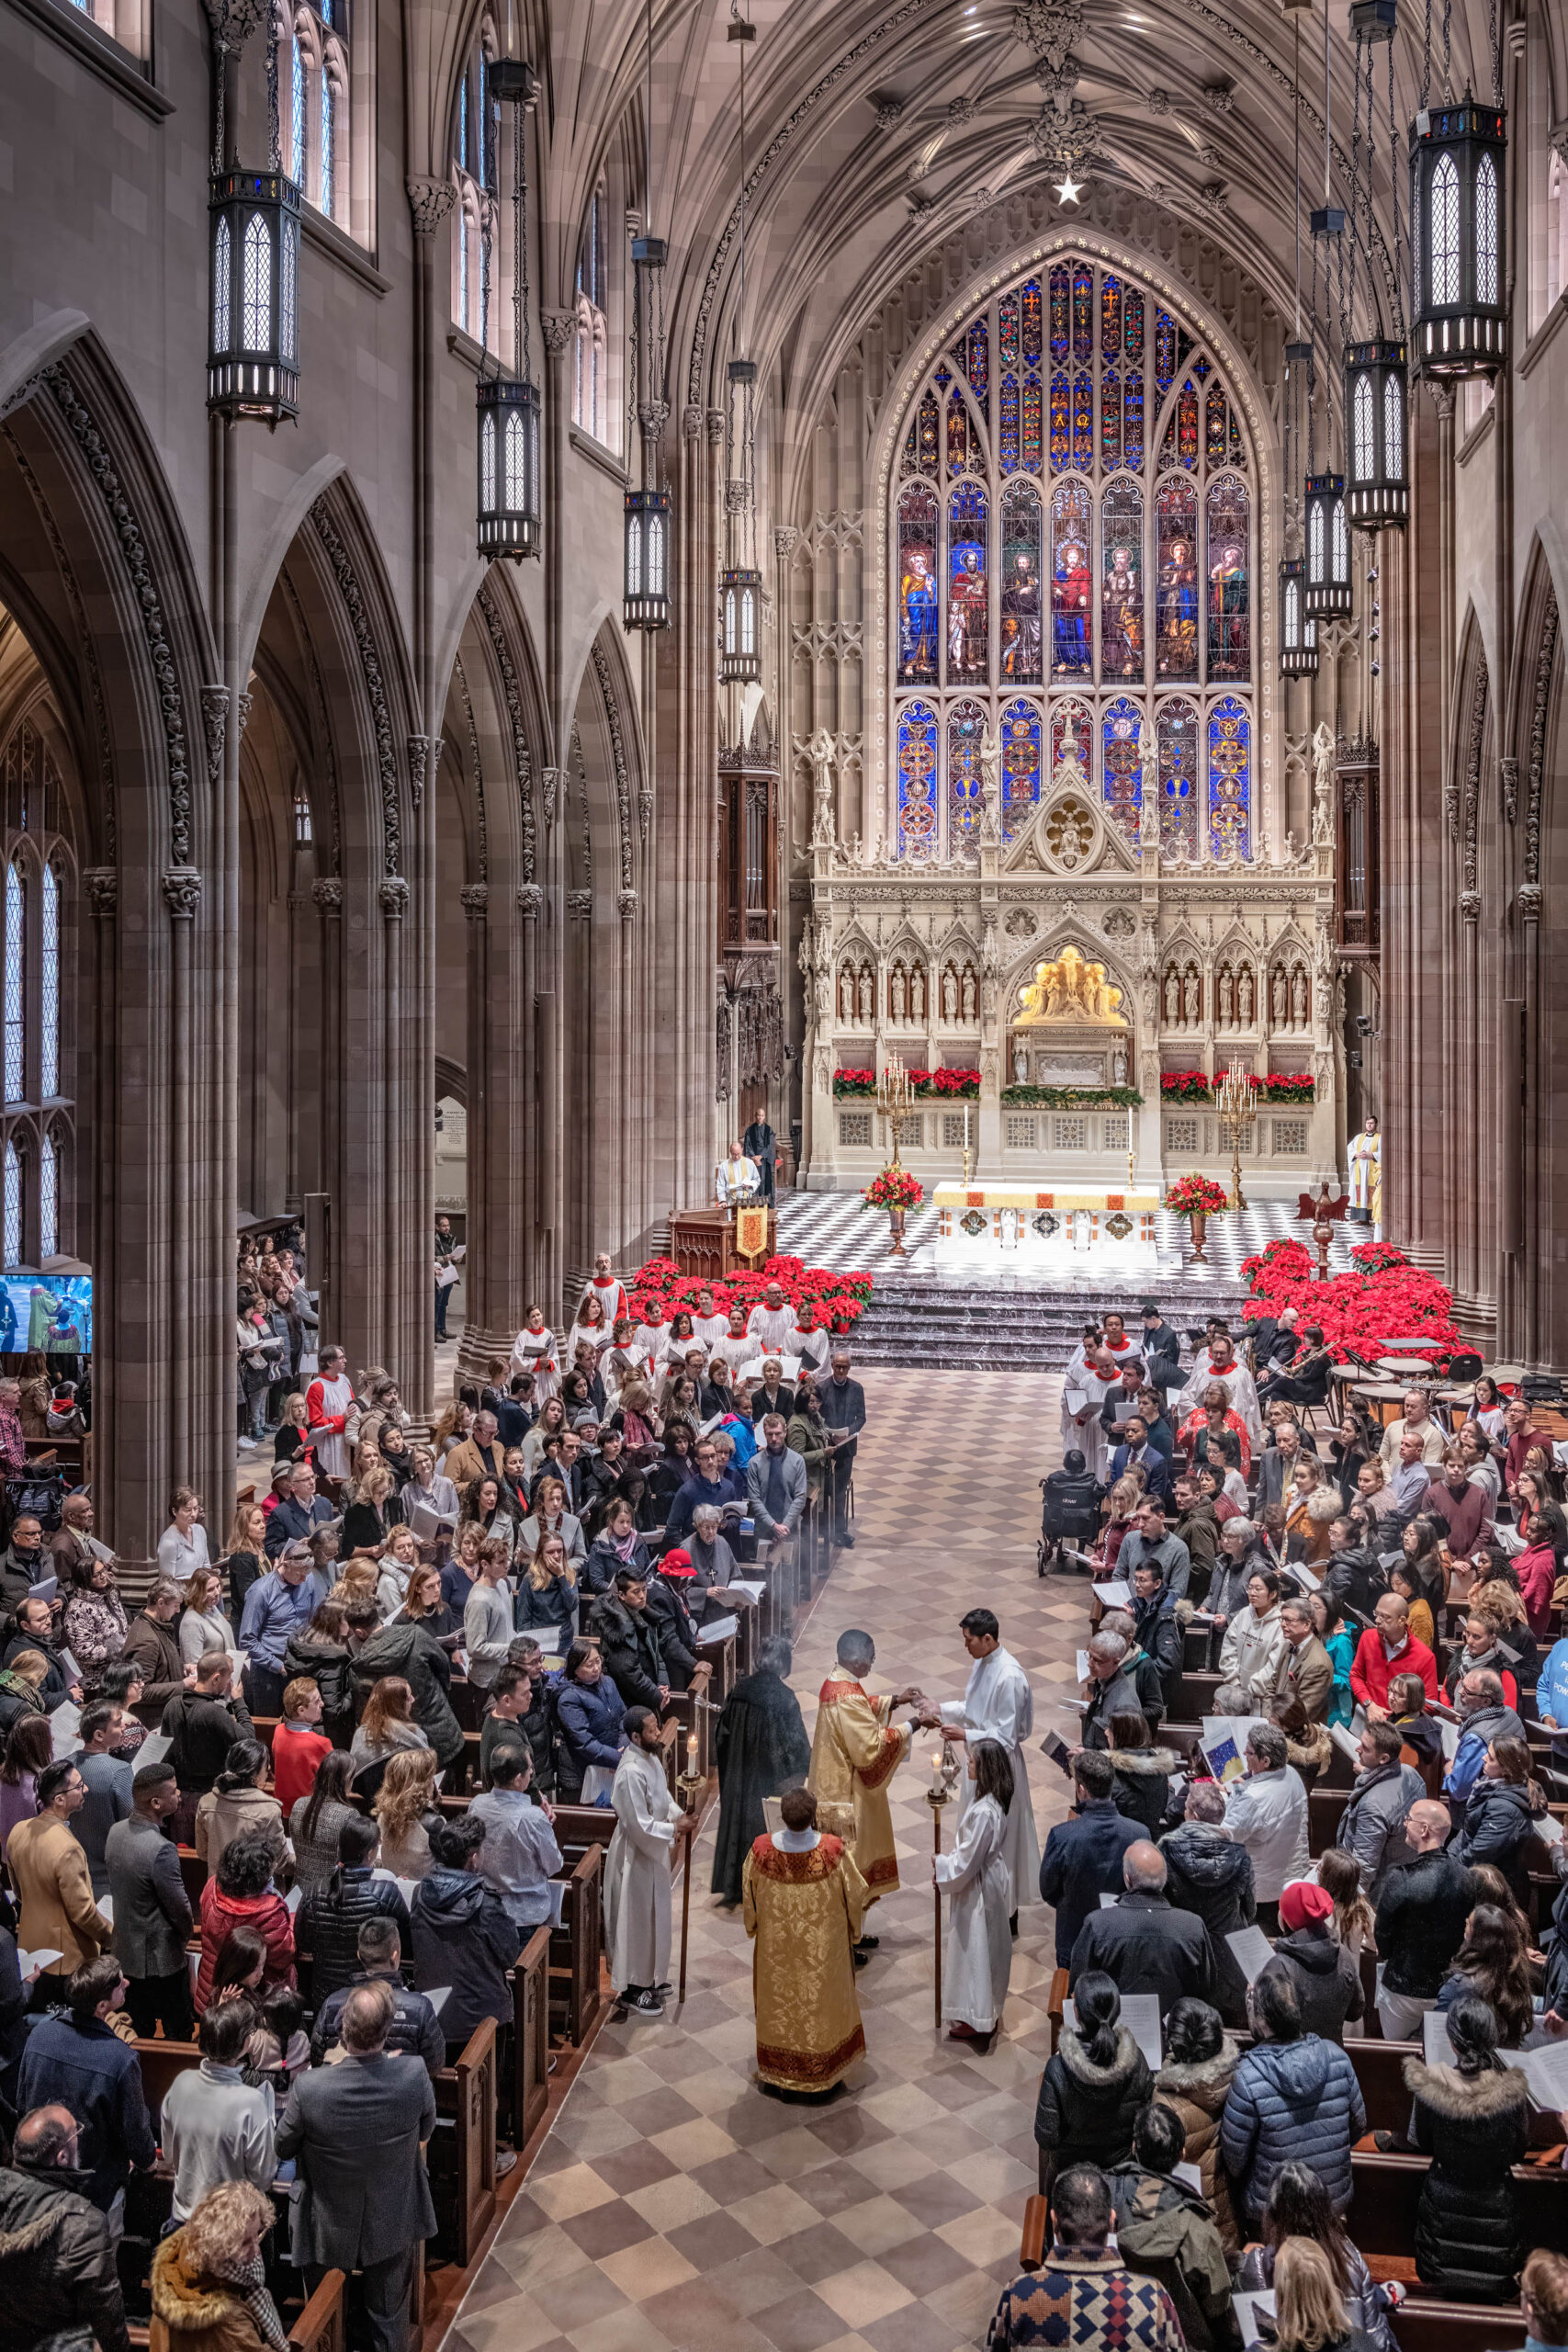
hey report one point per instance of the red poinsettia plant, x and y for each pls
(946, 1081)
(1382, 1298)
(854, 1081)
(835, 1299)
(1286, 1086)
(1184, 1085)
(1196, 1196)
(894, 1187)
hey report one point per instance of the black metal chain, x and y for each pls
(518, 230)
(1426, 59)
(1448, 53)
(1495, 31)
(1394, 167)
(274, 123)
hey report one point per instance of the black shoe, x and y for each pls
(846, 1539)
(1013, 1925)
(644, 2007)
(861, 1959)
(869, 1943)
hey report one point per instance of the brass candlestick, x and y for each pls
(1235, 1105)
(895, 1100)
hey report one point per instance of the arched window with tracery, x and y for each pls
(36, 1119)
(475, 165)
(1072, 553)
(592, 409)
(315, 100)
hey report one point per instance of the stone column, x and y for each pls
(326, 893)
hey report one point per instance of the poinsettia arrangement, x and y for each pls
(1184, 1085)
(923, 1083)
(894, 1187)
(837, 1299)
(1381, 1299)
(1286, 1086)
(1196, 1196)
(854, 1081)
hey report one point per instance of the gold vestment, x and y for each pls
(803, 1912)
(854, 1753)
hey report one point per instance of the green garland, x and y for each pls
(1075, 1098)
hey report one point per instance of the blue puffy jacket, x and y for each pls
(1292, 2102)
(587, 1717)
(1551, 1691)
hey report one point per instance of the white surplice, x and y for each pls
(979, 1939)
(710, 1330)
(651, 1341)
(636, 1872)
(599, 1340)
(998, 1704)
(535, 1351)
(1081, 1389)
(1244, 1395)
(773, 1328)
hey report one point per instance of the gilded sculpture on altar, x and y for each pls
(1070, 989)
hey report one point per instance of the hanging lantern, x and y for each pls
(507, 409)
(645, 584)
(1379, 490)
(1458, 158)
(1327, 596)
(1298, 635)
(509, 469)
(253, 363)
(739, 610)
(644, 572)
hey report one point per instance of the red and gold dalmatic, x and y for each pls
(854, 1753)
(804, 1914)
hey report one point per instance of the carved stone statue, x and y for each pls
(1148, 821)
(1298, 998)
(992, 787)
(1278, 1001)
(968, 991)
(918, 996)
(1119, 1066)
(896, 996)
(865, 996)
(1245, 997)
(1227, 999)
(990, 964)
(1020, 1062)
(1172, 1001)
(819, 751)
(950, 995)
(1323, 786)
(1190, 1001)
(846, 994)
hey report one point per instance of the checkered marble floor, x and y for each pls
(674, 2204)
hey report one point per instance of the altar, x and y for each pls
(982, 1227)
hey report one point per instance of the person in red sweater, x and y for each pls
(1545, 1531)
(1389, 1649)
(299, 1744)
(1521, 1437)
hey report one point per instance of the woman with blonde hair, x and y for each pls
(1308, 2314)
(355, 1582)
(20, 1683)
(550, 1423)
(208, 2281)
(203, 1625)
(1123, 1502)
(1340, 1876)
(550, 1516)
(386, 1724)
(405, 1807)
(394, 1572)
(293, 1439)
(1311, 1510)
(367, 1518)
(451, 1429)
(246, 1553)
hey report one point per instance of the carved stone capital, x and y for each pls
(419, 760)
(1469, 905)
(550, 778)
(559, 328)
(475, 897)
(328, 894)
(242, 705)
(580, 903)
(1442, 402)
(690, 421)
(787, 539)
(430, 200)
(102, 885)
(716, 425)
(215, 727)
(1531, 899)
(531, 901)
(887, 112)
(626, 904)
(182, 891)
(394, 897)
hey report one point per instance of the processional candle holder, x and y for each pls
(1234, 1104)
(942, 1790)
(896, 1099)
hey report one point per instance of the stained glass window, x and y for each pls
(16, 981)
(1116, 480)
(296, 113)
(1124, 765)
(965, 731)
(1121, 583)
(1021, 604)
(1176, 587)
(1020, 765)
(1230, 624)
(49, 1196)
(1071, 651)
(1230, 779)
(917, 780)
(13, 1206)
(1178, 753)
(916, 587)
(48, 988)
(327, 143)
(968, 586)
(1072, 744)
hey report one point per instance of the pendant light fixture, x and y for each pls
(508, 407)
(740, 583)
(1459, 152)
(1298, 635)
(252, 351)
(1327, 592)
(644, 588)
(1376, 382)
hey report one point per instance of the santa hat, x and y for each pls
(677, 1563)
(1304, 1902)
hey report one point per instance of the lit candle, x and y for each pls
(936, 1767)
(691, 1752)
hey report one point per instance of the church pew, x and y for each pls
(160, 2063)
(319, 2327)
(193, 1877)
(1386, 2190)
(576, 1949)
(462, 2148)
(531, 2034)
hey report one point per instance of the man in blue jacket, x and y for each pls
(706, 1484)
(78, 2062)
(1083, 1855)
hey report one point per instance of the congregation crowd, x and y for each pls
(281, 1712)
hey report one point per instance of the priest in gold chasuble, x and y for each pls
(804, 1900)
(855, 1750)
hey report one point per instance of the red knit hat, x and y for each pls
(677, 1564)
(1303, 1901)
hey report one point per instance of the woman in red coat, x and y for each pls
(242, 1894)
(1538, 1566)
